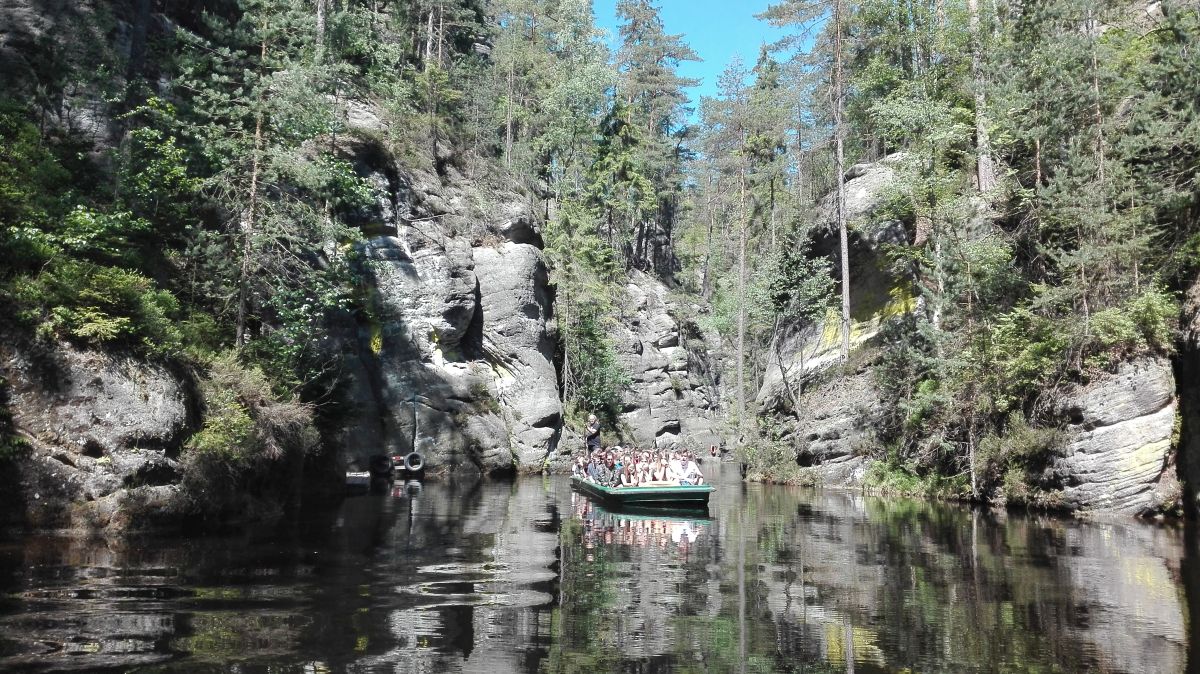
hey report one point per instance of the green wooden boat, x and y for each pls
(679, 498)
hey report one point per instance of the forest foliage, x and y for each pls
(187, 197)
(1047, 161)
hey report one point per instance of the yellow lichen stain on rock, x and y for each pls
(1148, 455)
(865, 648)
(901, 302)
(376, 337)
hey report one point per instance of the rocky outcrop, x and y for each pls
(832, 431)
(457, 360)
(104, 432)
(671, 398)
(803, 350)
(516, 305)
(823, 413)
(1187, 377)
(1119, 454)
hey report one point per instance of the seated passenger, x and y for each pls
(600, 472)
(644, 475)
(613, 476)
(675, 468)
(691, 471)
(628, 477)
(659, 474)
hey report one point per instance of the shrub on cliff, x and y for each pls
(99, 305)
(252, 442)
(244, 420)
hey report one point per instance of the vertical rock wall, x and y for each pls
(456, 360)
(1119, 455)
(672, 398)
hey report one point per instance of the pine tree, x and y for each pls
(653, 93)
(803, 16)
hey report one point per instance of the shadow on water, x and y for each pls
(531, 577)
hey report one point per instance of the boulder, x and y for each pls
(515, 222)
(1119, 449)
(805, 350)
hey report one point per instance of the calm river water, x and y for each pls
(529, 577)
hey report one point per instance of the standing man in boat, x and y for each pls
(593, 434)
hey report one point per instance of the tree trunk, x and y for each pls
(773, 243)
(840, 161)
(508, 114)
(706, 274)
(985, 169)
(441, 32)
(429, 39)
(741, 335)
(1100, 151)
(249, 222)
(322, 10)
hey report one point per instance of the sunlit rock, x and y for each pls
(1120, 439)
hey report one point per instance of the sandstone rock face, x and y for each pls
(430, 387)
(672, 393)
(102, 427)
(832, 429)
(1187, 377)
(825, 414)
(1119, 451)
(458, 361)
(516, 304)
(95, 404)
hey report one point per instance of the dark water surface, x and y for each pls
(529, 577)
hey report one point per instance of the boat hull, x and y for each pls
(679, 498)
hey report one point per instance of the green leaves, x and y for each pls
(100, 306)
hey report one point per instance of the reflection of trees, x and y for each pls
(834, 579)
(530, 577)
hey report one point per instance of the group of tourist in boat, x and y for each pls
(630, 467)
(617, 467)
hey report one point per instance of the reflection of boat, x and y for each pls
(681, 498)
(635, 513)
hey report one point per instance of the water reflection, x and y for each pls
(532, 577)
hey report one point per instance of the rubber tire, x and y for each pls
(414, 462)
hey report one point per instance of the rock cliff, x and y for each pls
(456, 359)
(105, 432)
(823, 411)
(1119, 455)
(672, 398)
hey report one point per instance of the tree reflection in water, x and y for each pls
(531, 577)
(843, 582)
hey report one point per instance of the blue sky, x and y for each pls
(715, 29)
